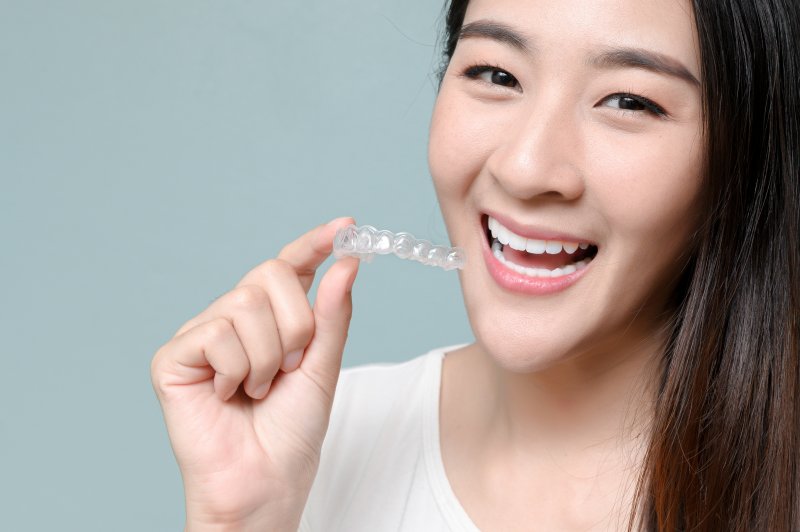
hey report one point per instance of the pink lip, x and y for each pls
(517, 282)
(538, 233)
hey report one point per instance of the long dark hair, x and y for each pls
(725, 442)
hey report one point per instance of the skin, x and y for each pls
(246, 419)
(543, 417)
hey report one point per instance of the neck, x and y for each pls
(596, 402)
(583, 401)
(577, 431)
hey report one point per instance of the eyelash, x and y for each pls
(472, 72)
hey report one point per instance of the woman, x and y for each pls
(623, 176)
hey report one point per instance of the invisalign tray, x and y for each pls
(365, 242)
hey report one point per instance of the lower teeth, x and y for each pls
(537, 272)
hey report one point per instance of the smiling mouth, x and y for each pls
(536, 258)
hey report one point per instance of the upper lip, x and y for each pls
(536, 232)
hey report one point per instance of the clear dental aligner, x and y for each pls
(365, 242)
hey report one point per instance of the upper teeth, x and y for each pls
(531, 245)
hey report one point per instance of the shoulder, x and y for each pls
(384, 379)
(371, 455)
(370, 396)
(367, 394)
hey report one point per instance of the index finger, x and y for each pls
(306, 253)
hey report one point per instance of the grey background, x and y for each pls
(151, 152)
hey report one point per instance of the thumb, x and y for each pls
(333, 309)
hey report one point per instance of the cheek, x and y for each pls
(457, 145)
(648, 194)
(649, 189)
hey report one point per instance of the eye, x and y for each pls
(493, 75)
(633, 103)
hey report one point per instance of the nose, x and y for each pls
(538, 152)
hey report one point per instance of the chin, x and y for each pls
(526, 351)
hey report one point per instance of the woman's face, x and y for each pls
(569, 122)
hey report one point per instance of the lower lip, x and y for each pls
(517, 282)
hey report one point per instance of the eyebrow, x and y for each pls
(609, 57)
(645, 59)
(495, 31)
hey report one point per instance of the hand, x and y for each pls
(248, 454)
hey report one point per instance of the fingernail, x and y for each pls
(293, 359)
(261, 391)
(230, 394)
(332, 222)
(318, 237)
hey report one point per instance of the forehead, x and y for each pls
(583, 26)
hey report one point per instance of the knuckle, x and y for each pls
(265, 366)
(301, 329)
(233, 367)
(250, 296)
(155, 370)
(155, 363)
(277, 268)
(216, 330)
(185, 327)
(284, 250)
(237, 369)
